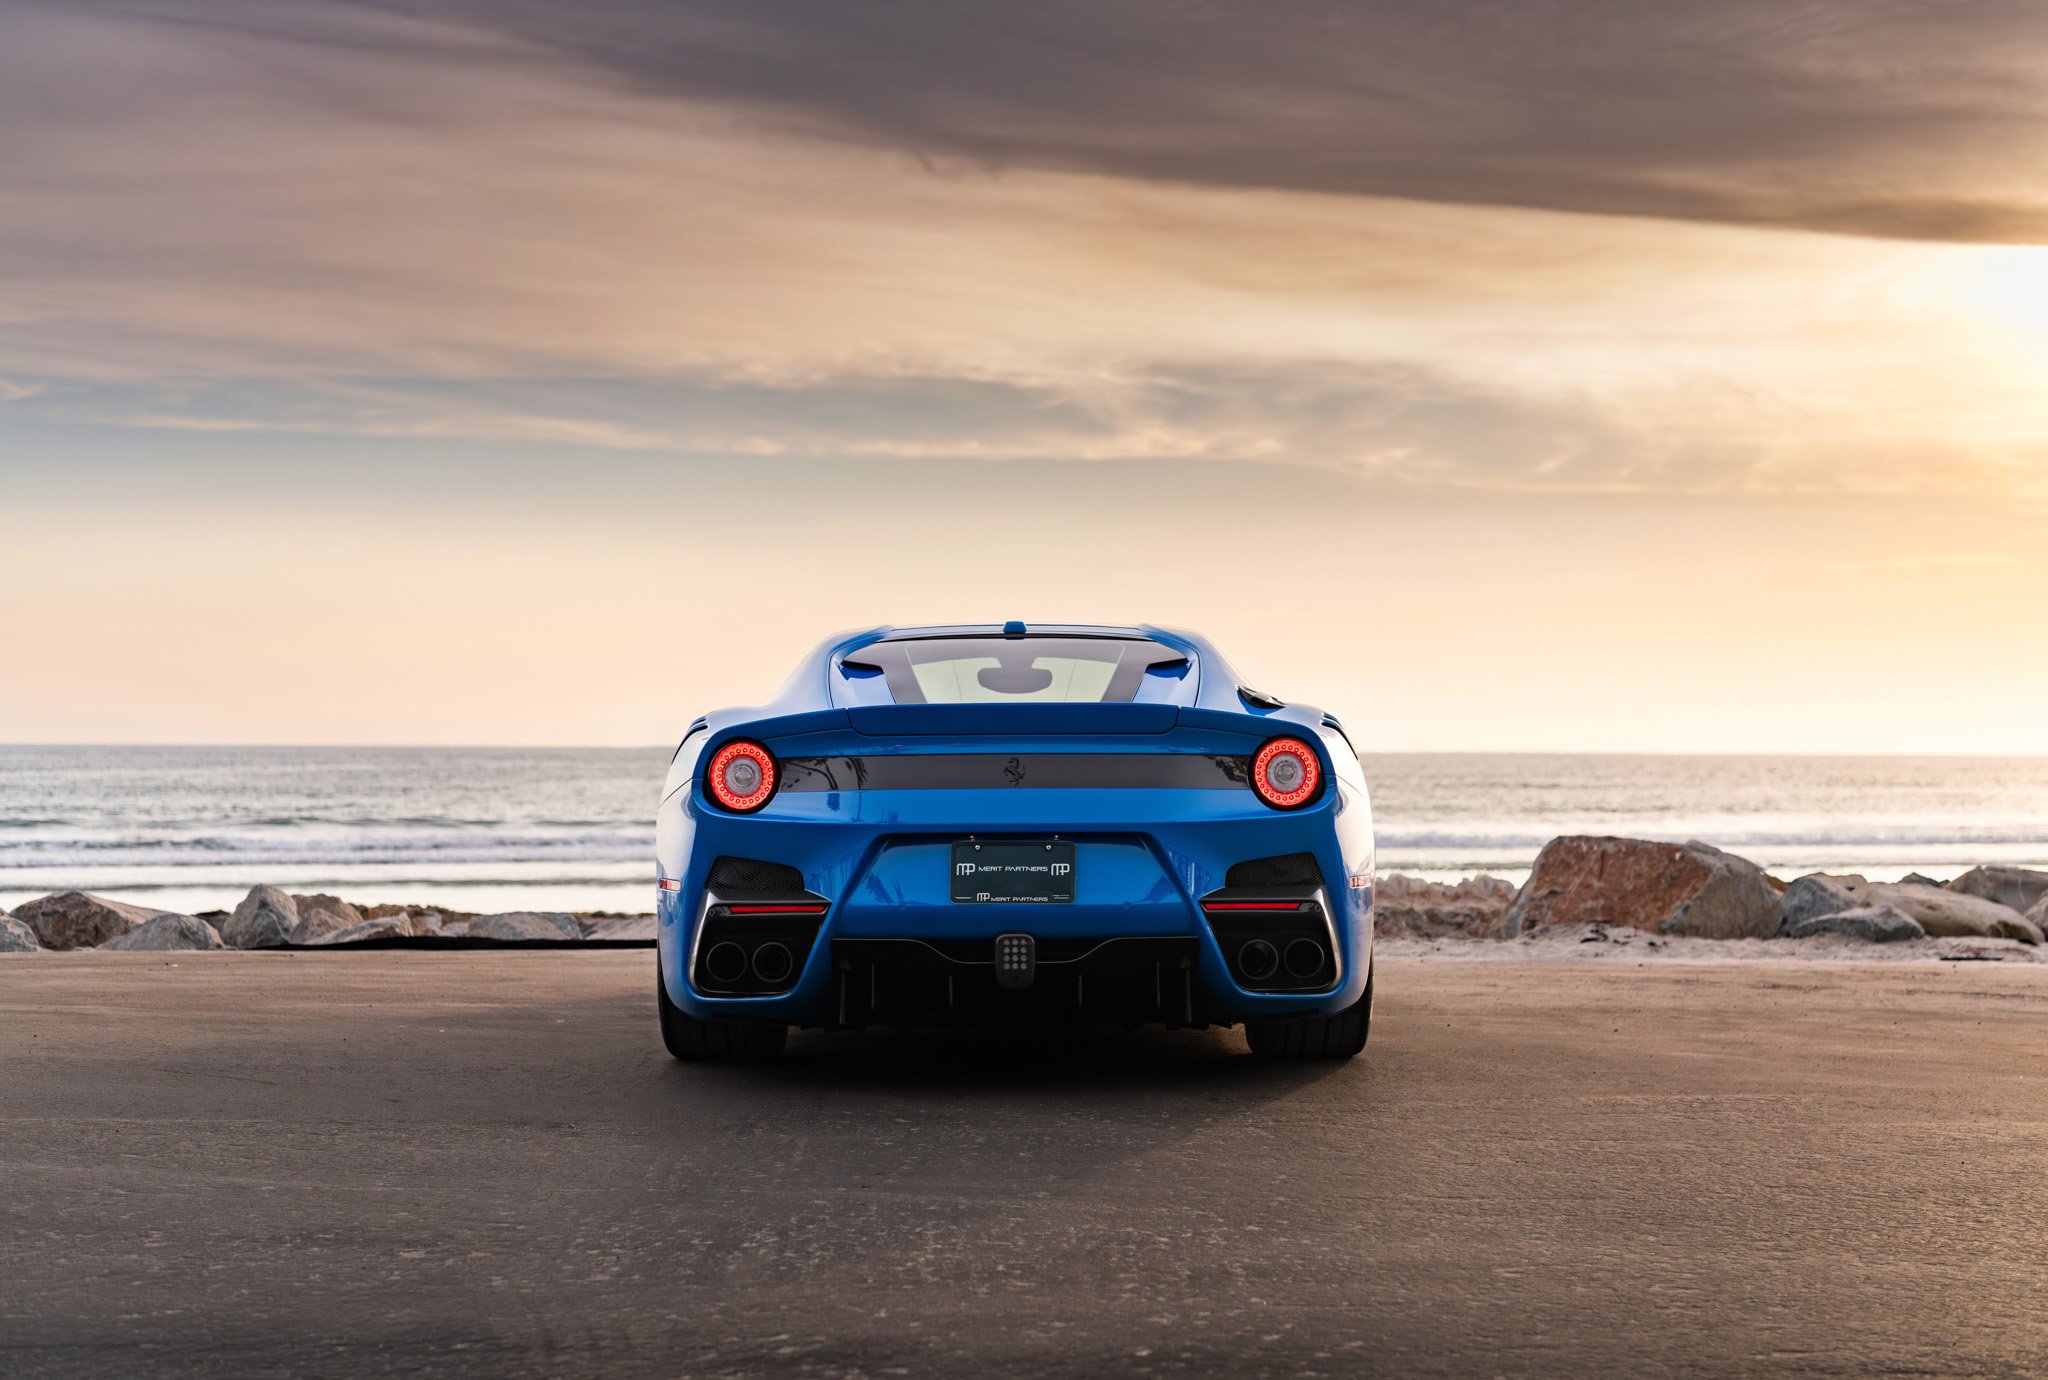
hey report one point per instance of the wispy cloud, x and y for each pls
(672, 228)
(1865, 116)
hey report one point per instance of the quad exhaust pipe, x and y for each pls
(1304, 959)
(1259, 961)
(725, 962)
(773, 962)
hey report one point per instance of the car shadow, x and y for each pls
(989, 1060)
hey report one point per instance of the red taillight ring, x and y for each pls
(1304, 790)
(726, 792)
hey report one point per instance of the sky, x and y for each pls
(1567, 375)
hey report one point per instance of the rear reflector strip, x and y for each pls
(670, 883)
(773, 910)
(973, 771)
(1252, 905)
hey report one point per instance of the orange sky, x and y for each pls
(452, 373)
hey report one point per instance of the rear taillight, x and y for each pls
(742, 776)
(1287, 773)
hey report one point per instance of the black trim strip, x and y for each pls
(972, 771)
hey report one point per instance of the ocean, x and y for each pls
(487, 829)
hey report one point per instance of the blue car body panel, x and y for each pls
(879, 859)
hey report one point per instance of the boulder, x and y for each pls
(385, 927)
(2016, 887)
(316, 925)
(1921, 879)
(1949, 914)
(80, 920)
(1476, 908)
(17, 938)
(264, 920)
(2038, 916)
(168, 932)
(1666, 888)
(623, 927)
(341, 912)
(1817, 894)
(526, 924)
(1878, 924)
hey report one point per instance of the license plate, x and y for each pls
(1011, 872)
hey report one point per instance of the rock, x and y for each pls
(264, 920)
(623, 927)
(526, 924)
(2016, 887)
(1817, 894)
(2038, 916)
(316, 925)
(1476, 907)
(168, 932)
(80, 920)
(1921, 879)
(1666, 888)
(17, 938)
(333, 906)
(1878, 924)
(1949, 914)
(385, 927)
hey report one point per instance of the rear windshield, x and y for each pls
(1005, 670)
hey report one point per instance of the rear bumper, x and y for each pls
(1133, 947)
(1120, 981)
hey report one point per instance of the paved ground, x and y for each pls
(394, 1163)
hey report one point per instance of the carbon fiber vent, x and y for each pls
(1288, 869)
(751, 874)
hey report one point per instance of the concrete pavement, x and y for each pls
(483, 1164)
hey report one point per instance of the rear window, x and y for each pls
(1013, 670)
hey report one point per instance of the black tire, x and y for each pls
(1315, 1037)
(714, 1042)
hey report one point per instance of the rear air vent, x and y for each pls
(751, 874)
(1288, 869)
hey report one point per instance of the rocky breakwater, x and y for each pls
(271, 918)
(1475, 908)
(1696, 890)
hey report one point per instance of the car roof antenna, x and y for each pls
(1013, 628)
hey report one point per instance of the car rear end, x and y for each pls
(1027, 828)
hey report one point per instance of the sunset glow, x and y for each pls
(386, 373)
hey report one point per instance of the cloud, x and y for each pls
(347, 220)
(1872, 117)
(1396, 427)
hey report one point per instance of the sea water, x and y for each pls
(487, 829)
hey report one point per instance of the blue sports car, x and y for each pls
(1015, 823)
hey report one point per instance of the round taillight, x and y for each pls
(1287, 773)
(742, 776)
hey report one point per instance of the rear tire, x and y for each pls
(1315, 1037)
(698, 1041)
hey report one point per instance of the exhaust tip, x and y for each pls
(773, 962)
(725, 962)
(1258, 960)
(1305, 958)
